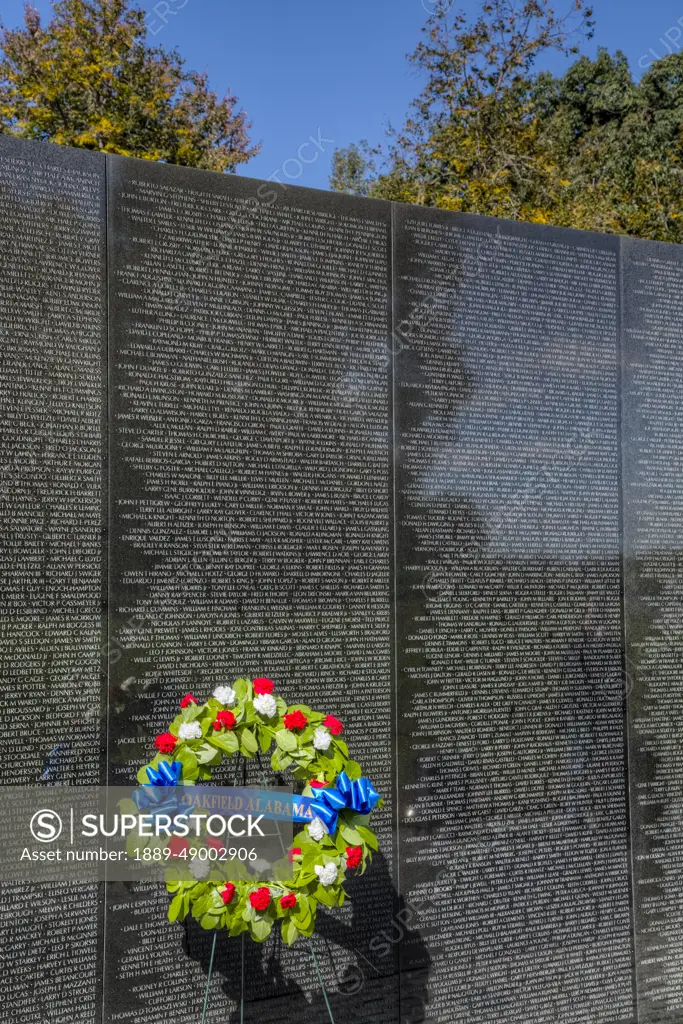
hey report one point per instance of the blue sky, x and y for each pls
(338, 71)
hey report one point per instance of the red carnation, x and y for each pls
(295, 720)
(354, 855)
(187, 700)
(228, 893)
(295, 852)
(224, 720)
(178, 846)
(288, 902)
(263, 686)
(317, 785)
(215, 843)
(334, 725)
(165, 743)
(260, 900)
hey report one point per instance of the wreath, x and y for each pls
(247, 718)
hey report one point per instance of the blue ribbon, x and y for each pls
(165, 777)
(359, 796)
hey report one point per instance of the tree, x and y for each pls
(619, 145)
(591, 149)
(89, 79)
(470, 142)
(352, 169)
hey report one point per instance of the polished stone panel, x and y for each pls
(513, 805)
(653, 516)
(52, 500)
(250, 514)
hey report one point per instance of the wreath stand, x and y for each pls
(215, 937)
(208, 981)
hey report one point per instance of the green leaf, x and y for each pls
(128, 807)
(225, 741)
(308, 931)
(191, 712)
(189, 763)
(199, 908)
(286, 740)
(248, 741)
(369, 837)
(304, 908)
(340, 842)
(353, 770)
(265, 738)
(175, 907)
(326, 896)
(290, 932)
(135, 841)
(352, 837)
(208, 755)
(303, 918)
(242, 688)
(261, 928)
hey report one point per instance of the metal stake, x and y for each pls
(242, 987)
(208, 980)
(320, 979)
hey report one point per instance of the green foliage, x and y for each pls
(591, 149)
(89, 79)
(352, 170)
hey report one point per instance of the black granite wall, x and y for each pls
(421, 468)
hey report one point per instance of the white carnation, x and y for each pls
(265, 705)
(327, 874)
(226, 695)
(200, 868)
(190, 731)
(317, 829)
(321, 739)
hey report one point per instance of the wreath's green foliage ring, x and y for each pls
(254, 733)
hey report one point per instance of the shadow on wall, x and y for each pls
(361, 988)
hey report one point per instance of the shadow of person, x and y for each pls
(387, 979)
(371, 956)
